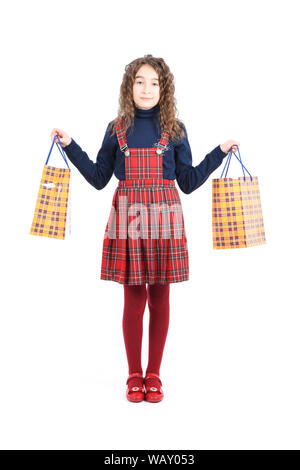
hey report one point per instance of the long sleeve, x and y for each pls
(97, 174)
(189, 177)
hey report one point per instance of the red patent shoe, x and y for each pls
(134, 393)
(153, 394)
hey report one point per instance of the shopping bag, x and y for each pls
(237, 220)
(52, 214)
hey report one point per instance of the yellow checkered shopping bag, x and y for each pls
(52, 214)
(237, 220)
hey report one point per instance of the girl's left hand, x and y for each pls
(228, 144)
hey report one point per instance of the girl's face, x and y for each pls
(146, 87)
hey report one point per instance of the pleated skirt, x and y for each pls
(145, 239)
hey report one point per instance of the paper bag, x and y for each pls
(237, 220)
(52, 214)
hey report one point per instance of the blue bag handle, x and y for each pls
(228, 162)
(239, 159)
(61, 151)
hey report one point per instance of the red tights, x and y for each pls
(135, 298)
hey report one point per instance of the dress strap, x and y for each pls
(121, 136)
(164, 139)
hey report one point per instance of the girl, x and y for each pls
(147, 148)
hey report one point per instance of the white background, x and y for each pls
(230, 369)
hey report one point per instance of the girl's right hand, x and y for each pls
(64, 138)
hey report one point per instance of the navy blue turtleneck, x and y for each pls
(177, 158)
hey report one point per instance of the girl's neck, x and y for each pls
(146, 113)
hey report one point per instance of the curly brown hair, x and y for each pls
(167, 107)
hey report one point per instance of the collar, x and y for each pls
(146, 113)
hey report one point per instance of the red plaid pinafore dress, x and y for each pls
(145, 240)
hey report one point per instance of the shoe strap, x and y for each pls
(134, 374)
(148, 387)
(151, 375)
